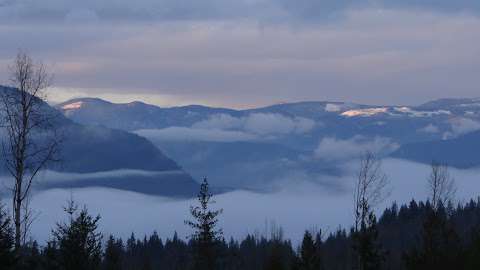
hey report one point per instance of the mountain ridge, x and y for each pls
(90, 149)
(253, 148)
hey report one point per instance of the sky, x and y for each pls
(249, 53)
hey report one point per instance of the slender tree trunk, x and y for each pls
(25, 113)
(18, 223)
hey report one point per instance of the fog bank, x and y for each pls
(296, 207)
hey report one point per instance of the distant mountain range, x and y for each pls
(438, 119)
(256, 147)
(160, 151)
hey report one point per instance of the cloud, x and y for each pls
(226, 128)
(362, 56)
(194, 134)
(460, 126)
(171, 10)
(430, 128)
(333, 107)
(81, 16)
(220, 121)
(269, 123)
(333, 149)
(263, 124)
(48, 178)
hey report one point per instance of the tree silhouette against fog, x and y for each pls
(206, 235)
(31, 141)
(112, 258)
(441, 185)
(368, 193)
(310, 252)
(76, 244)
(440, 246)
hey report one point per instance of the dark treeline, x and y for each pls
(412, 236)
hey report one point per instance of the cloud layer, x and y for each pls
(290, 208)
(227, 128)
(258, 123)
(266, 10)
(461, 126)
(333, 149)
(251, 52)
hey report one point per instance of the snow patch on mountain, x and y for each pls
(73, 106)
(365, 112)
(414, 113)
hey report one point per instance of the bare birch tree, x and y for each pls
(369, 192)
(441, 185)
(370, 188)
(30, 140)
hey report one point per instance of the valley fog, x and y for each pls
(298, 206)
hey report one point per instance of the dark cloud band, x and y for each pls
(173, 10)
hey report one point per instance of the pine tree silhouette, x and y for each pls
(310, 256)
(113, 254)
(79, 243)
(206, 236)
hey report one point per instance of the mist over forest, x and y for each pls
(298, 206)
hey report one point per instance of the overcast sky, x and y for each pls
(246, 53)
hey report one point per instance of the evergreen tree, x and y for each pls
(366, 246)
(206, 236)
(440, 247)
(280, 255)
(113, 254)
(310, 256)
(50, 256)
(473, 253)
(7, 255)
(31, 257)
(275, 259)
(176, 255)
(79, 243)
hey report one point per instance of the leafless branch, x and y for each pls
(441, 185)
(370, 187)
(31, 140)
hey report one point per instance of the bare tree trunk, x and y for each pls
(369, 188)
(368, 193)
(18, 224)
(441, 185)
(31, 141)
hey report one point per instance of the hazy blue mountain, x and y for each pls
(340, 119)
(91, 149)
(134, 115)
(257, 148)
(251, 165)
(461, 152)
(430, 121)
